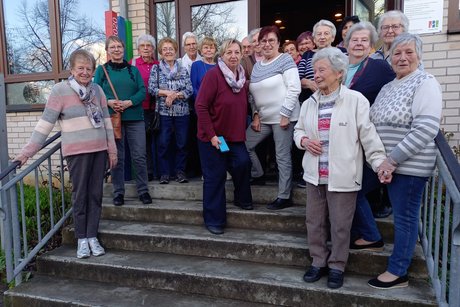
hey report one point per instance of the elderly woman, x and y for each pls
(146, 49)
(305, 42)
(334, 129)
(130, 90)
(221, 107)
(190, 45)
(364, 74)
(208, 49)
(391, 24)
(291, 49)
(275, 88)
(170, 83)
(406, 112)
(346, 24)
(323, 35)
(80, 107)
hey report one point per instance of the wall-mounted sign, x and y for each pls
(425, 16)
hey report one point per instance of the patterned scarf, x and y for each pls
(169, 73)
(230, 76)
(86, 95)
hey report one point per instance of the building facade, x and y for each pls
(32, 65)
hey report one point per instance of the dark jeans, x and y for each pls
(151, 146)
(169, 126)
(215, 165)
(406, 196)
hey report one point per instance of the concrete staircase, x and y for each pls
(161, 255)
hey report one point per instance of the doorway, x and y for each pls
(299, 16)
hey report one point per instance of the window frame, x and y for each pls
(453, 17)
(57, 73)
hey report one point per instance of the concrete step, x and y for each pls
(49, 291)
(193, 190)
(230, 279)
(191, 212)
(283, 248)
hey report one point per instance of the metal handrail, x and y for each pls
(440, 226)
(17, 254)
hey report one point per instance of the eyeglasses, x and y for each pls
(319, 34)
(393, 27)
(271, 41)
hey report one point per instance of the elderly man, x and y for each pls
(190, 44)
(256, 53)
(247, 47)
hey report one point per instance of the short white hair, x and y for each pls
(325, 23)
(146, 38)
(335, 56)
(188, 35)
(394, 14)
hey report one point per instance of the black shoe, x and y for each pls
(215, 230)
(302, 184)
(400, 282)
(119, 200)
(164, 179)
(279, 203)
(335, 279)
(180, 177)
(375, 246)
(314, 274)
(383, 212)
(145, 198)
(257, 180)
(244, 206)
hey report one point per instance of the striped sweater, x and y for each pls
(78, 134)
(407, 113)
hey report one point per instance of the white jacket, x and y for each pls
(351, 131)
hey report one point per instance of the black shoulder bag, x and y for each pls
(154, 124)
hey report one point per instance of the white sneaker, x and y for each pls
(83, 249)
(96, 248)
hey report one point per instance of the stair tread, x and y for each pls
(419, 291)
(81, 293)
(231, 235)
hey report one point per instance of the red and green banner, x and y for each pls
(121, 27)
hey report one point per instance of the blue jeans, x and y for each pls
(134, 133)
(405, 194)
(215, 165)
(179, 126)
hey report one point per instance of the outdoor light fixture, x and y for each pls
(338, 15)
(278, 21)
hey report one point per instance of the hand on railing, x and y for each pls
(22, 159)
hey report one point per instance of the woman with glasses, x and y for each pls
(130, 90)
(274, 87)
(170, 83)
(391, 24)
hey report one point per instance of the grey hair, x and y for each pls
(363, 25)
(407, 38)
(227, 43)
(252, 33)
(327, 23)
(394, 14)
(338, 60)
(188, 35)
(146, 38)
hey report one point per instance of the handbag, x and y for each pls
(115, 117)
(154, 124)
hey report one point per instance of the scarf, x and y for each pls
(231, 78)
(87, 95)
(169, 73)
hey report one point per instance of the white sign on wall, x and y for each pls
(425, 16)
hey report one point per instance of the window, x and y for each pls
(454, 17)
(38, 44)
(166, 20)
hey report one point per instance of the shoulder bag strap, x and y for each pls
(110, 82)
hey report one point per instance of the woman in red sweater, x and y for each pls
(221, 107)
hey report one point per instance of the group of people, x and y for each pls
(359, 119)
